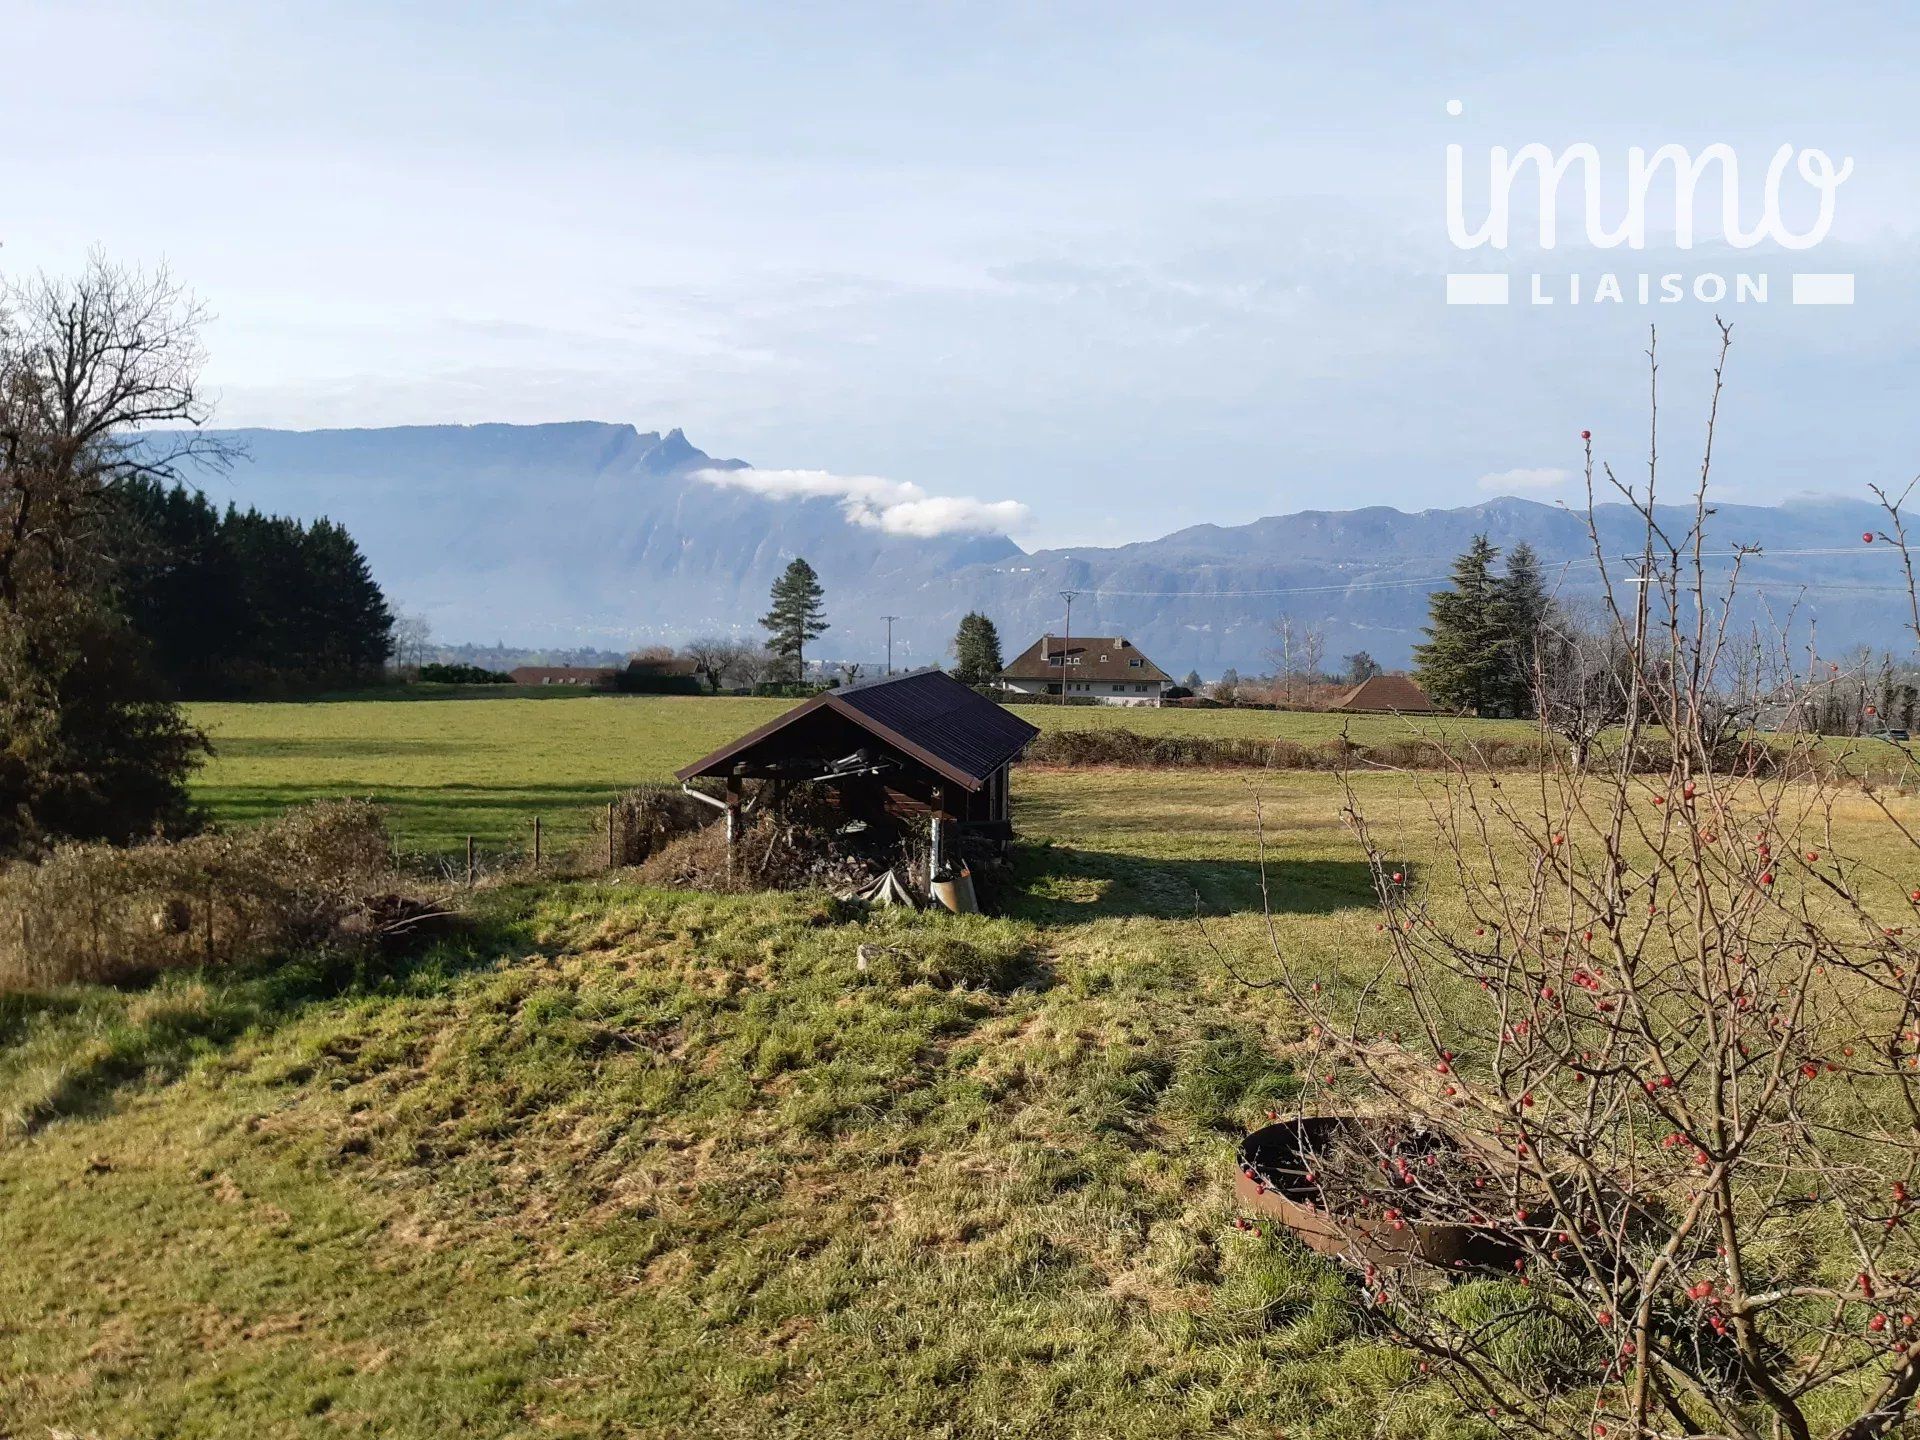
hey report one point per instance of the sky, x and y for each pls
(1093, 272)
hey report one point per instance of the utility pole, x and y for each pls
(890, 619)
(1066, 642)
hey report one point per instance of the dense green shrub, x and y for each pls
(463, 675)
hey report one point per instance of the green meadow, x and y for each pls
(486, 767)
(625, 1162)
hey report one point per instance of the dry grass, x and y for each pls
(97, 913)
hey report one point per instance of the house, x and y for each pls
(1395, 693)
(593, 676)
(895, 750)
(1106, 669)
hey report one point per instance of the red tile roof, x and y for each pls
(1388, 692)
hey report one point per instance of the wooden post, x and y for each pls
(733, 821)
(610, 859)
(469, 862)
(536, 842)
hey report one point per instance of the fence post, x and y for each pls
(469, 862)
(536, 842)
(610, 860)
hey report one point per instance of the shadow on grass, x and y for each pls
(1063, 885)
(415, 693)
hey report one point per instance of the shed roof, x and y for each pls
(1388, 692)
(925, 714)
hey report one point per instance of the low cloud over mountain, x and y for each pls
(898, 507)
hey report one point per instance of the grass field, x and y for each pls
(644, 1163)
(486, 767)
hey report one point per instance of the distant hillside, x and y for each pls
(599, 534)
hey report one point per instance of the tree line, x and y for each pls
(237, 603)
(120, 589)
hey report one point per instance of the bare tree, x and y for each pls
(1296, 653)
(87, 368)
(718, 657)
(412, 640)
(1646, 1044)
(1582, 680)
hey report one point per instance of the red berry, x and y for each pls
(1586, 434)
(1442, 1067)
(1877, 1323)
(1812, 855)
(1398, 877)
(1867, 536)
(1766, 877)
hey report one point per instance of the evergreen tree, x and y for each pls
(976, 650)
(1192, 682)
(1361, 667)
(1526, 611)
(797, 615)
(245, 603)
(1467, 660)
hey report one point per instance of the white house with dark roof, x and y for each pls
(1108, 669)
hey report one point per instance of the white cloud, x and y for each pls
(1508, 481)
(898, 507)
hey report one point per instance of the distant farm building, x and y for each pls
(1395, 693)
(898, 749)
(1106, 669)
(591, 676)
(661, 675)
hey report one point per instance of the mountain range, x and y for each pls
(596, 534)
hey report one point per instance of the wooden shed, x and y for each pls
(910, 746)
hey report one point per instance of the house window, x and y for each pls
(1141, 688)
(1131, 664)
(1103, 659)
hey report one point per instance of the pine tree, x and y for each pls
(1467, 659)
(797, 615)
(976, 650)
(1525, 611)
(1192, 682)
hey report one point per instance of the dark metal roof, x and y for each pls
(925, 714)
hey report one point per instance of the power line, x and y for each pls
(890, 619)
(1066, 642)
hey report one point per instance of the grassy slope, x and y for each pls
(654, 1164)
(666, 1164)
(439, 767)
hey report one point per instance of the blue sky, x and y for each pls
(1132, 267)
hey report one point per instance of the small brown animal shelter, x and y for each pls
(890, 751)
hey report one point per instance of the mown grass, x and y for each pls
(486, 767)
